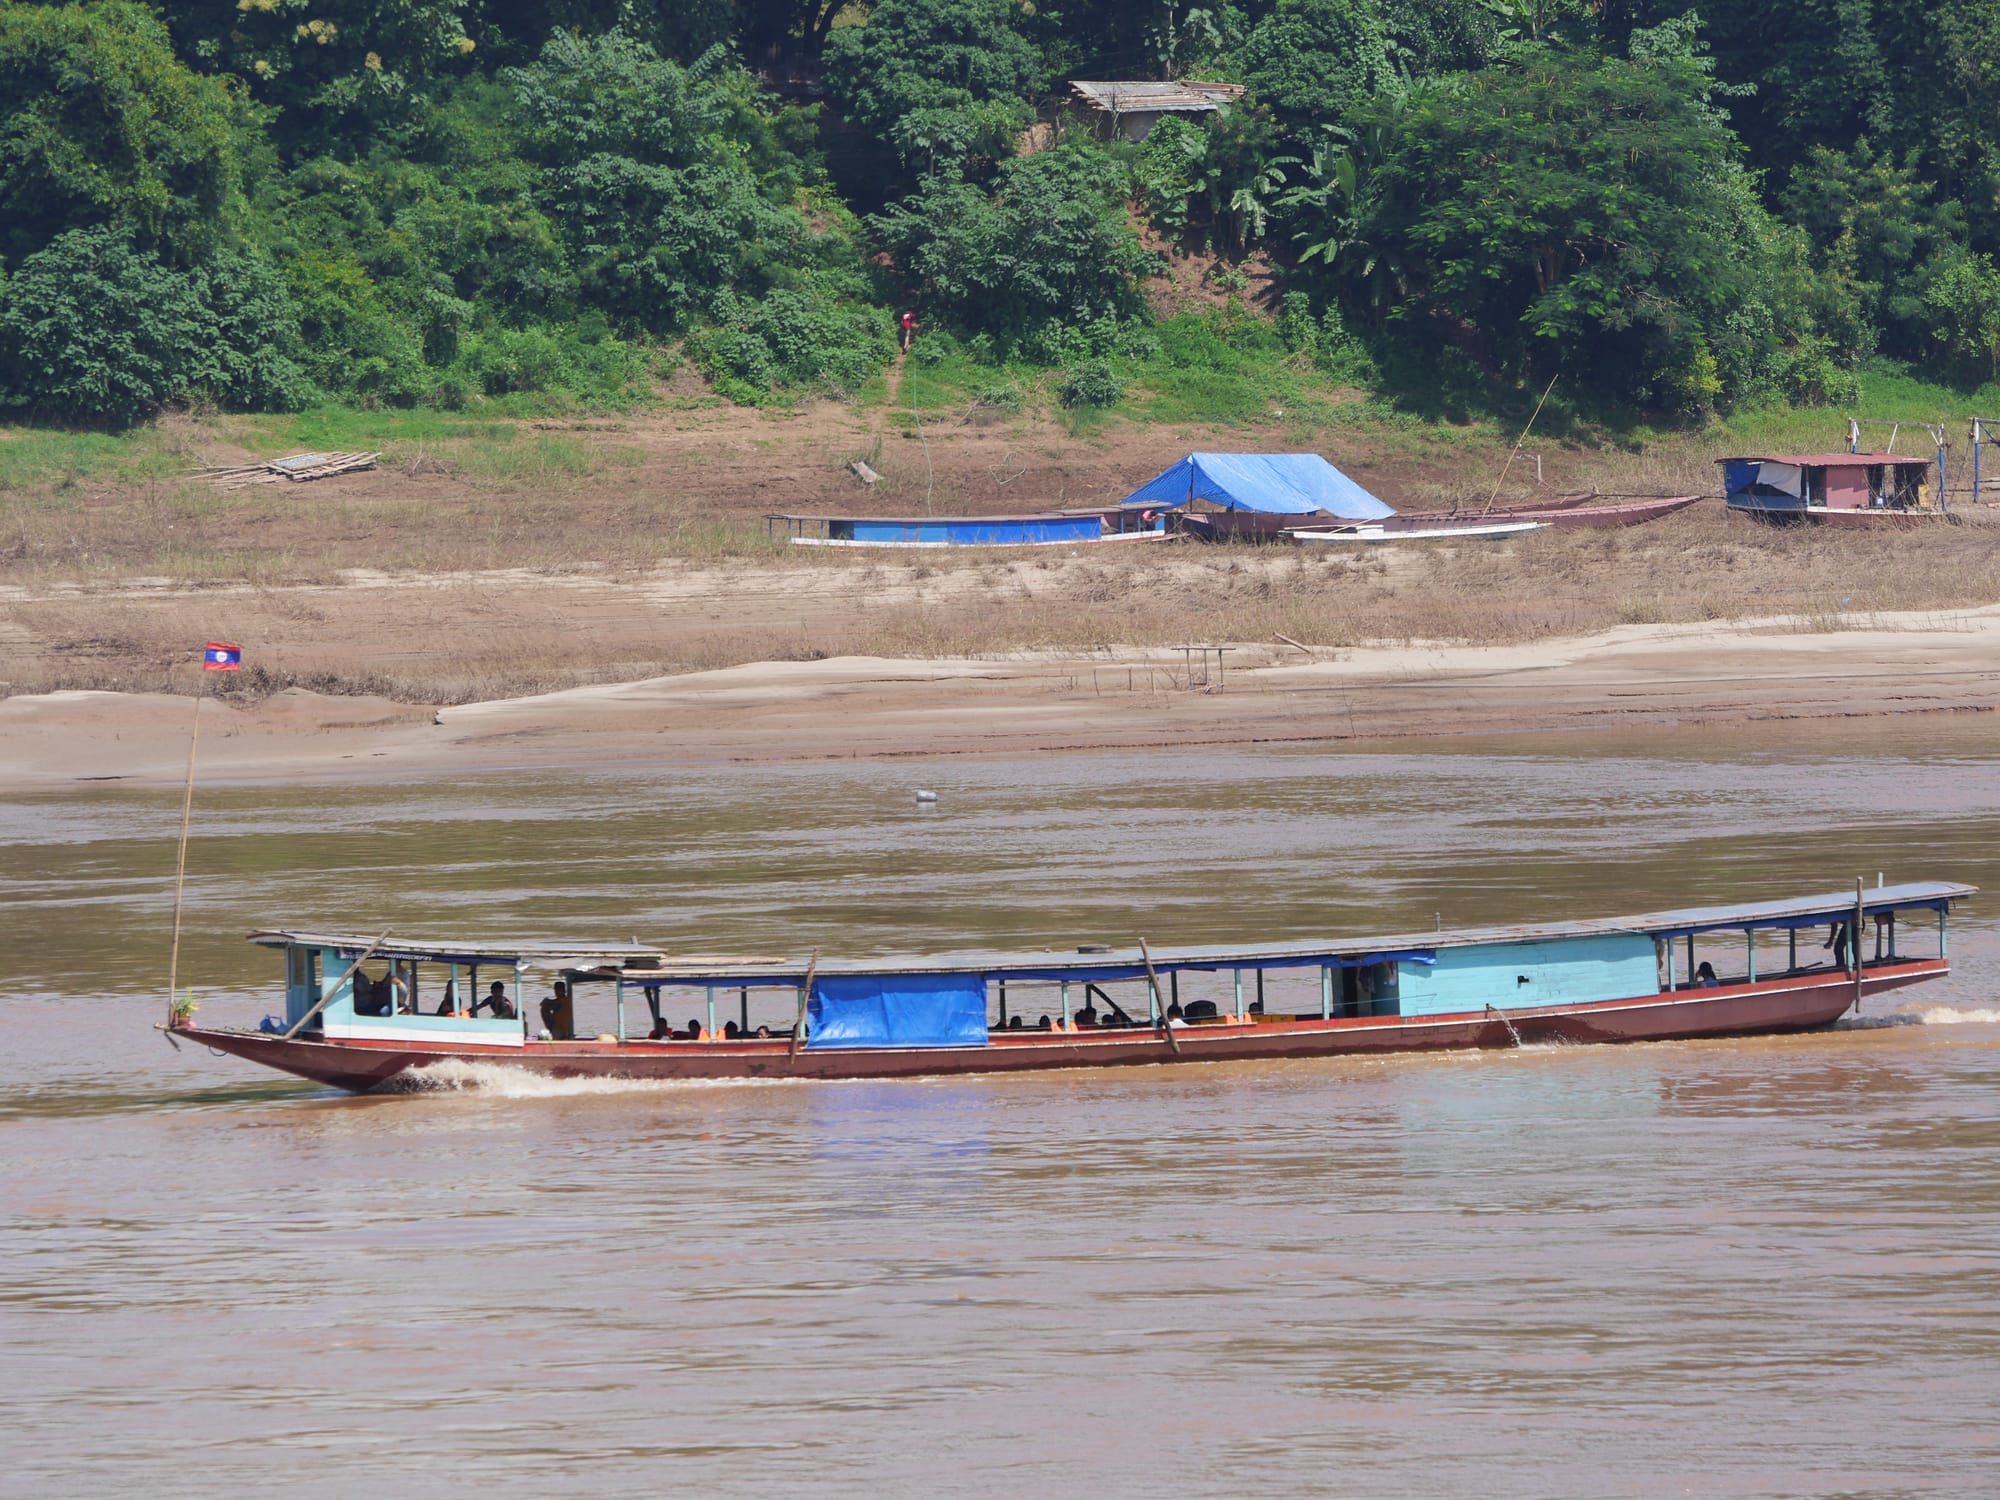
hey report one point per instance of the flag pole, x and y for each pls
(216, 656)
(180, 859)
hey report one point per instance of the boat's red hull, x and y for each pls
(1596, 512)
(1786, 1004)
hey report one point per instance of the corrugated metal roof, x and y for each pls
(1141, 98)
(702, 970)
(1830, 460)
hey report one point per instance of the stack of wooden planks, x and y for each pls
(300, 466)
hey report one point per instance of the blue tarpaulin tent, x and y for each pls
(897, 1010)
(1285, 484)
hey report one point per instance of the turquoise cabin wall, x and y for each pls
(1617, 966)
(299, 997)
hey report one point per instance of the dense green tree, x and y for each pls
(337, 68)
(1048, 247)
(1875, 226)
(774, 31)
(647, 175)
(101, 125)
(933, 59)
(1584, 214)
(1958, 306)
(1315, 62)
(1427, 38)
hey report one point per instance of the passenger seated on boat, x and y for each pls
(731, 1029)
(1117, 1016)
(661, 1032)
(559, 1013)
(1045, 1024)
(373, 997)
(448, 1006)
(1014, 1023)
(692, 1034)
(1085, 1017)
(763, 1031)
(496, 1001)
(1704, 977)
(1200, 1010)
(1174, 1011)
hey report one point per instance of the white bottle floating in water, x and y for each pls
(924, 794)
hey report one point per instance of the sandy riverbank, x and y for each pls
(861, 707)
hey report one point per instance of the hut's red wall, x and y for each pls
(1847, 489)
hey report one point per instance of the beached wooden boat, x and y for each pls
(1058, 528)
(1575, 512)
(1714, 971)
(1414, 529)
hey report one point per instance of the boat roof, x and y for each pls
(1827, 460)
(453, 950)
(653, 965)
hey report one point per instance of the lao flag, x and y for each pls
(220, 657)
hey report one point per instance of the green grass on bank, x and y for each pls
(1216, 370)
(484, 447)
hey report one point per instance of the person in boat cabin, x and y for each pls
(1087, 1016)
(1836, 939)
(495, 1000)
(448, 1006)
(373, 997)
(559, 1013)
(693, 1033)
(1704, 977)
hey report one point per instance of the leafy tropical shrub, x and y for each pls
(95, 329)
(792, 340)
(570, 360)
(355, 344)
(1092, 383)
(1048, 244)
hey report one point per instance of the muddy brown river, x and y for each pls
(1748, 1268)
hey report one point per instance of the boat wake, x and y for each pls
(498, 1081)
(1927, 1015)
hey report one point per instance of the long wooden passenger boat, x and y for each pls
(1713, 971)
(1092, 525)
(1592, 510)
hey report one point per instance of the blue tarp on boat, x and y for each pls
(1284, 484)
(897, 1010)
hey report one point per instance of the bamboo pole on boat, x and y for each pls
(180, 859)
(1516, 451)
(1153, 980)
(1854, 941)
(327, 991)
(805, 995)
